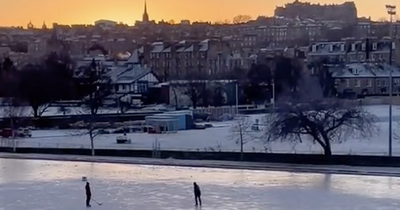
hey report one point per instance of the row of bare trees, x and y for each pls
(255, 84)
(40, 84)
(37, 84)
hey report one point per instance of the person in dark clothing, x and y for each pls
(88, 194)
(197, 193)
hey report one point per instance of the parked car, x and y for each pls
(123, 139)
(24, 132)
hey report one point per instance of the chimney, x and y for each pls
(367, 49)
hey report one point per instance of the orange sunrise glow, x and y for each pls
(19, 12)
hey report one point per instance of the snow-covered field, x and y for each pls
(218, 138)
(49, 185)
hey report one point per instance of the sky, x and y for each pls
(20, 12)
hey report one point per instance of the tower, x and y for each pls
(145, 17)
(44, 26)
(30, 25)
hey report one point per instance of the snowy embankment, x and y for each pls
(350, 170)
(218, 138)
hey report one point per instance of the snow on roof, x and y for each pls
(133, 74)
(204, 45)
(157, 47)
(167, 50)
(189, 49)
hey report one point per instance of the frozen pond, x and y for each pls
(50, 185)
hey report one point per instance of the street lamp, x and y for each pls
(237, 97)
(391, 10)
(273, 95)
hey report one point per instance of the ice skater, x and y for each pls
(88, 194)
(197, 193)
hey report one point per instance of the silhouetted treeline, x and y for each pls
(38, 84)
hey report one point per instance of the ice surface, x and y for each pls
(50, 185)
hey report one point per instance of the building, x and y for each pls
(369, 28)
(183, 93)
(365, 79)
(346, 12)
(351, 51)
(43, 46)
(177, 59)
(129, 80)
(106, 24)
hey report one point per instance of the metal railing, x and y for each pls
(157, 148)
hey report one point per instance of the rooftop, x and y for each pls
(365, 70)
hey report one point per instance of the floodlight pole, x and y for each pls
(391, 9)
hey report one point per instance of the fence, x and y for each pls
(156, 148)
(308, 159)
(217, 112)
(381, 100)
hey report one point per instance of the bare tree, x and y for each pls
(243, 130)
(99, 88)
(13, 113)
(13, 110)
(241, 19)
(311, 116)
(194, 86)
(40, 85)
(174, 92)
(325, 121)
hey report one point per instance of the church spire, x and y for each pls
(145, 7)
(145, 17)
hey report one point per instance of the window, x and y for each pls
(385, 82)
(374, 46)
(369, 83)
(347, 83)
(358, 83)
(142, 87)
(396, 82)
(314, 48)
(378, 83)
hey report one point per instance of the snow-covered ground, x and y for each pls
(241, 165)
(49, 185)
(218, 138)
